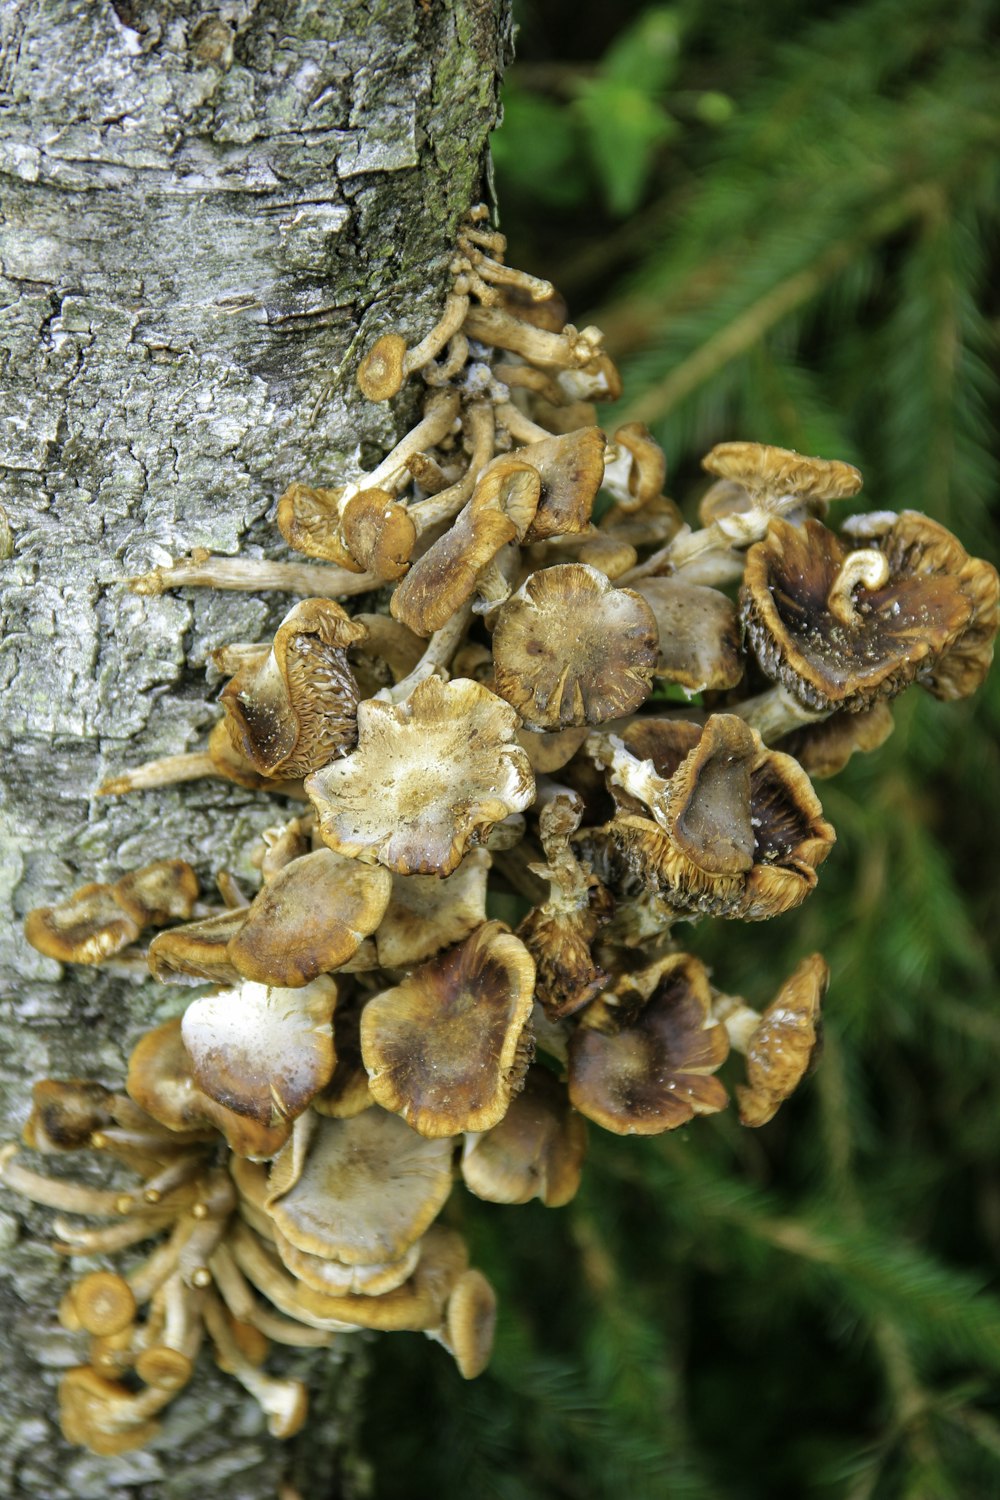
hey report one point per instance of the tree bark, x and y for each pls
(203, 213)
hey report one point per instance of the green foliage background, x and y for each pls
(786, 220)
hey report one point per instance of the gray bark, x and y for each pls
(200, 211)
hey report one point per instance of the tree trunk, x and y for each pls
(203, 213)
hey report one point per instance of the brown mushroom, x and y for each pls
(430, 776)
(427, 913)
(823, 749)
(779, 1045)
(445, 577)
(570, 649)
(309, 519)
(164, 891)
(197, 950)
(104, 1415)
(637, 471)
(470, 1323)
(536, 1151)
(87, 928)
(446, 1048)
(699, 634)
(641, 1061)
(65, 1113)
(571, 468)
(379, 533)
(770, 474)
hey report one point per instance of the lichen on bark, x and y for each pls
(203, 212)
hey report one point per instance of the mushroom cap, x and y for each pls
(309, 919)
(470, 1323)
(559, 941)
(382, 371)
(898, 630)
(608, 554)
(99, 1414)
(430, 776)
(295, 710)
(571, 467)
(198, 949)
(765, 470)
(260, 1050)
(103, 1303)
(782, 1046)
(536, 1151)
(65, 1113)
(823, 749)
(233, 765)
(369, 1189)
(570, 649)
(699, 634)
(643, 1065)
(648, 470)
(427, 913)
(309, 520)
(445, 577)
(550, 751)
(86, 928)
(164, 891)
(444, 1048)
(324, 1273)
(510, 486)
(379, 532)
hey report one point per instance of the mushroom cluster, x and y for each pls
(558, 703)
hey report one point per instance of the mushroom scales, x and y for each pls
(490, 722)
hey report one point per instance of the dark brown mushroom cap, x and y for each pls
(87, 928)
(427, 913)
(791, 837)
(199, 950)
(309, 919)
(915, 544)
(765, 470)
(262, 1051)
(536, 1151)
(233, 765)
(369, 1189)
(445, 577)
(571, 467)
(571, 649)
(379, 532)
(782, 1046)
(823, 749)
(309, 520)
(161, 1081)
(164, 891)
(382, 371)
(699, 634)
(65, 1113)
(639, 1066)
(430, 776)
(850, 658)
(296, 710)
(445, 1048)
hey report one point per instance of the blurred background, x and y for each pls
(787, 225)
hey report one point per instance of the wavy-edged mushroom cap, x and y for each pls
(379, 532)
(571, 468)
(699, 633)
(309, 919)
(915, 544)
(571, 649)
(445, 577)
(104, 1415)
(781, 1048)
(263, 1051)
(197, 950)
(641, 471)
(426, 913)
(550, 751)
(430, 776)
(65, 1113)
(446, 1048)
(370, 1188)
(382, 371)
(841, 629)
(233, 765)
(823, 749)
(768, 472)
(87, 928)
(296, 710)
(638, 1065)
(164, 891)
(309, 520)
(161, 1081)
(536, 1151)
(791, 837)
(336, 1279)
(510, 486)
(470, 1323)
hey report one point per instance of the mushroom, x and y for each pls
(430, 776)
(197, 950)
(635, 469)
(536, 1151)
(427, 913)
(379, 533)
(296, 711)
(571, 468)
(263, 1051)
(699, 634)
(104, 1415)
(824, 748)
(87, 928)
(569, 649)
(309, 919)
(164, 891)
(65, 1113)
(779, 1045)
(347, 1093)
(445, 577)
(470, 1323)
(448, 1046)
(779, 479)
(388, 363)
(642, 1058)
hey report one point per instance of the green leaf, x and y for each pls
(624, 126)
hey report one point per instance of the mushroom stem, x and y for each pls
(284, 1402)
(480, 429)
(521, 428)
(75, 1240)
(776, 713)
(250, 574)
(236, 1293)
(458, 353)
(71, 1197)
(706, 556)
(173, 1176)
(440, 649)
(739, 1019)
(147, 1278)
(566, 351)
(165, 772)
(231, 891)
(392, 473)
(867, 568)
(452, 317)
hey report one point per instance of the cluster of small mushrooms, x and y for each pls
(502, 719)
